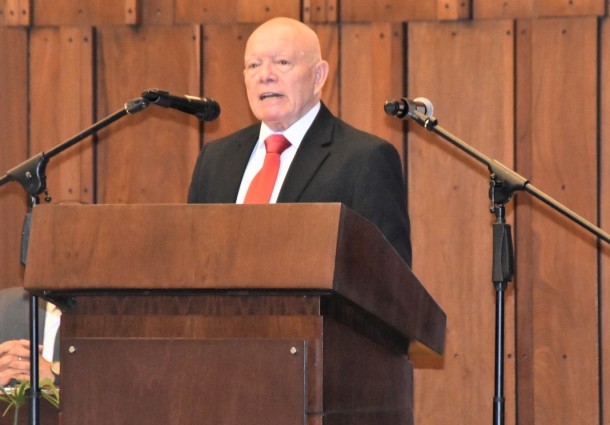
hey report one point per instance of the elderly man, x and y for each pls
(300, 152)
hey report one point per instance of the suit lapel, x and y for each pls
(235, 162)
(312, 152)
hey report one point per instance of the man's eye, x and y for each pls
(251, 65)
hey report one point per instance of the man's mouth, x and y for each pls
(266, 96)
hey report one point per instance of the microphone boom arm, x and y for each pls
(505, 181)
(31, 173)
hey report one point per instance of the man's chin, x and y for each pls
(276, 122)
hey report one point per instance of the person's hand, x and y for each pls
(15, 362)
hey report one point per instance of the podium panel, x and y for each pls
(170, 381)
(227, 314)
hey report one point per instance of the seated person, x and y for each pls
(15, 339)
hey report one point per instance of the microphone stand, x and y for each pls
(31, 175)
(503, 183)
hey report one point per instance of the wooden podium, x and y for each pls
(287, 314)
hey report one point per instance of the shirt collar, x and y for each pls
(296, 131)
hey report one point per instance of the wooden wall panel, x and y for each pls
(156, 11)
(16, 12)
(570, 7)
(387, 10)
(329, 42)
(448, 200)
(90, 12)
(320, 10)
(61, 106)
(234, 11)
(223, 77)
(148, 157)
(371, 59)
(259, 11)
(13, 150)
(452, 10)
(604, 154)
(206, 11)
(557, 261)
(485, 9)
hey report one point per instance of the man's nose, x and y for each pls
(268, 72)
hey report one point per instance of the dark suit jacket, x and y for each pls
(15, 317)
(335, 163)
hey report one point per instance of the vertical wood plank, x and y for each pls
(525, 306)
(13, 150)
(570, 7)
(557, 272)
(604, 202)
(223, 77)
(132, 12)
(371, 73)
(249, 11)
(453, 10)
(449, 206)
(17, 13)
(155, 12)
(90, 12)
(320, 11)
(387, 10)
(329, 43)
(206, 11)
(485, 9)
(61, 61)
(148, 157)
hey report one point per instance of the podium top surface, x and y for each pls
(298, 247)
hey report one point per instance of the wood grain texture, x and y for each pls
(371, 54)
(229, 352)
(235, 11)
(320, 11)
(223, 77)
(62, 70)
(146, 158)
(453, 10)
(248, 247)
(18, 13)
(557, 272)
(604, 203)
(90, 12)
(387, 10)
(449, 207)
(484, 9)
(13, 150)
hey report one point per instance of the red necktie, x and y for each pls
(262, 185)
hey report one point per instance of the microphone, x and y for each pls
(205, 109)
(405, 108)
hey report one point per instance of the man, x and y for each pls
(14, 337)
(326, 161)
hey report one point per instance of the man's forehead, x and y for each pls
(269, 51)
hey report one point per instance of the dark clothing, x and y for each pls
(334, 163)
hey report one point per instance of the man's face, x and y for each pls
(281, 76)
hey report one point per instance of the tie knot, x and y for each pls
(276, 143)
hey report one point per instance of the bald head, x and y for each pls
(291, 31)
(284, 71)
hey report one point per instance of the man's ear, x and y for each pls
(320, 74)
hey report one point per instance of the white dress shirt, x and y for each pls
(294, 134)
